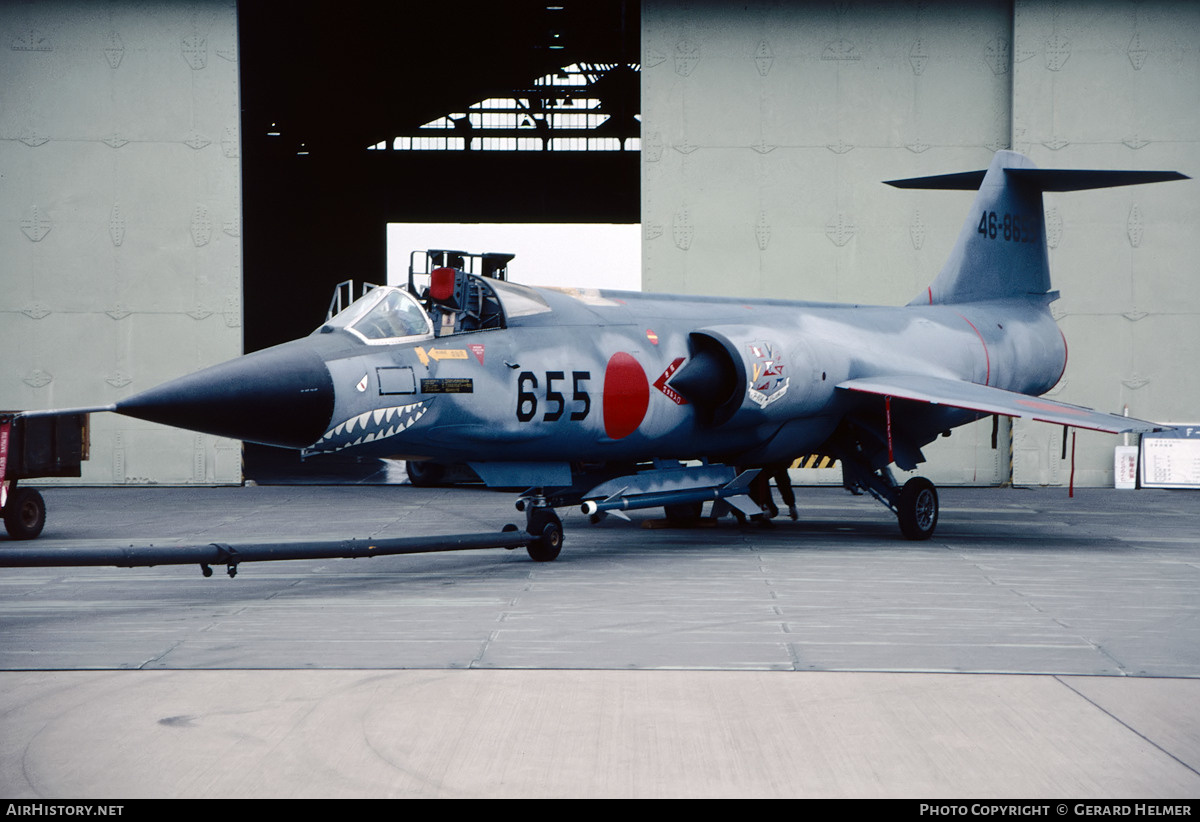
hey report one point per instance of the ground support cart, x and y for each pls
(41, 445)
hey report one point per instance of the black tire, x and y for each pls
(425, 473)
(545, 525)
(918, 509)
(25, 514)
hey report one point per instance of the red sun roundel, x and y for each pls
(626, 395)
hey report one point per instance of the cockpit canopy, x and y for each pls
(388, 314)
(384, 315)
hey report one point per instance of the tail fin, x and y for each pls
(1001, 250)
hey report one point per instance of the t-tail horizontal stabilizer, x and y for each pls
(1001, 250)
(988, 400)
(1043, 179)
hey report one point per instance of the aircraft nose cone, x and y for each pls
(278, 396)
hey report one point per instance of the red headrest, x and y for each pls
(441, 284)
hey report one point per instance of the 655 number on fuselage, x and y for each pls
(555, 402)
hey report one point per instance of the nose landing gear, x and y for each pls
(544, 524)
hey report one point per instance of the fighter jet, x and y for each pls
(617, 400)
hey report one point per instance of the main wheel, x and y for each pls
(25, 514)
(918, 508)
(425, 473)
(545, 525)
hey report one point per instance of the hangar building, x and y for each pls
(181, 182)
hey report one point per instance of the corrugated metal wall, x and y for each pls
(120, 207)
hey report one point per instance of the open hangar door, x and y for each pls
(355, 116)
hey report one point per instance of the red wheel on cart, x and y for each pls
(25, 513)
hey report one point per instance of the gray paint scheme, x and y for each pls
(619, 377)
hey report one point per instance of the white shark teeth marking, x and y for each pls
(370, 426)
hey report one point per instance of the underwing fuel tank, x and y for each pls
(278, 396)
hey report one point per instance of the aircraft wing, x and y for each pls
(989, 400)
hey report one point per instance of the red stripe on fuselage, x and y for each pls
(987, 380)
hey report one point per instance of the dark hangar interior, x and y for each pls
(337, 101)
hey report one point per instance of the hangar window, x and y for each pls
(580, 107)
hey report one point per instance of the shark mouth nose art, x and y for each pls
(370, 426)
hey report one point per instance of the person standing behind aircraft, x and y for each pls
(777, 471)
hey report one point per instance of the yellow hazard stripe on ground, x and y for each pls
(815, 461)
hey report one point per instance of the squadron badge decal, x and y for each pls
(767, 382)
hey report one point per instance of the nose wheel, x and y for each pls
(546, 527)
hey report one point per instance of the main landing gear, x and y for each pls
(917, 508)
(915, 504)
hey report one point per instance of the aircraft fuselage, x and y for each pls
(590, 379)
(528, 385)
